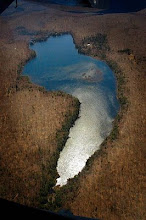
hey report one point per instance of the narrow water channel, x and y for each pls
(59, 66)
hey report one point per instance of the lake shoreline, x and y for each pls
(118, 155)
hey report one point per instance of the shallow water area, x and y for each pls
(59, 66)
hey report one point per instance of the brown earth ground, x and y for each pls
(112, 185)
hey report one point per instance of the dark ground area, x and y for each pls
(114, 6)
(118, 6)
(66, 2)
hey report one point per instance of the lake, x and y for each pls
(59, 66)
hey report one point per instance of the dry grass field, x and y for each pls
(31, 119)
(111, 187)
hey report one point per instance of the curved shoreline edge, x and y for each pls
(120, 78)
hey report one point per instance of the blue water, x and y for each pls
(59, 66)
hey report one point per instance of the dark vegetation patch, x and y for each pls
(23, 31)
(126, 51)
(96, 45)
